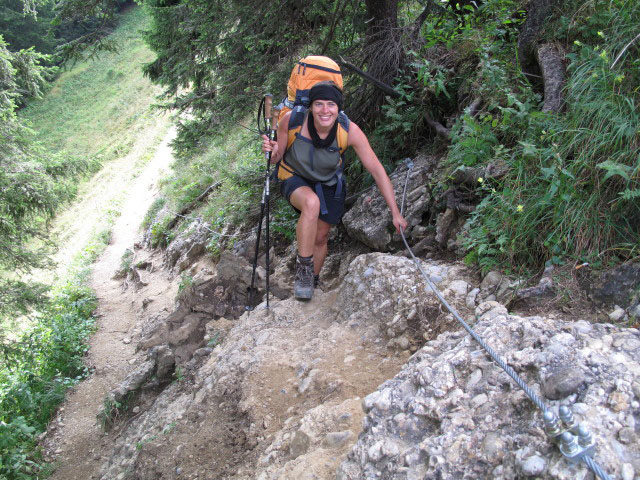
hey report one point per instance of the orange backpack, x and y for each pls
(306, 73)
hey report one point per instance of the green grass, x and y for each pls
(572, 189)
(96, 108)
(236, 162)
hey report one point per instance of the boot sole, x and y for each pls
(303, 295)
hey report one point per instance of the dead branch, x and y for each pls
(336, 14)
(192, 205)
(470, 175)
(466, 208)
(378, 83)
(430, 7)
(474, 108)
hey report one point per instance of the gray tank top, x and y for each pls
(317, 164)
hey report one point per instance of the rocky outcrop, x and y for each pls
(373, 380)
(390, 290)
(620, 286)
(369, 221)
(277, 394)
(187, 246)
(453, 413)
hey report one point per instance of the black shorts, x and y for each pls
(335, 206)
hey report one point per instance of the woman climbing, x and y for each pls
(311, 170)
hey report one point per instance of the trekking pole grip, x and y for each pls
(268, 103)
(274, 122)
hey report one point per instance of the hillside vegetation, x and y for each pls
(96, 108)
(532, 107)
(89, 117)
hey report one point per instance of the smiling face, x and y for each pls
(325, 113)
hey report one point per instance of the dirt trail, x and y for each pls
(75, 439)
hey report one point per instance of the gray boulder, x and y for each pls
(186, 247)
(620, 286)
(388, 295)
(369, 221)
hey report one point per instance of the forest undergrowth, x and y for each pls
(569, 184)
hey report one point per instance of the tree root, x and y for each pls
(551, 61)
(470, 175)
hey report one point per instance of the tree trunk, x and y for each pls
(383, 54)
(538, 12)
(550, 59)
(384, 50)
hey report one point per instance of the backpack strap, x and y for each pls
(343, 132)
(296, 120)
(303, 66)
(295, 124)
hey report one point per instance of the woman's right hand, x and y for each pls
(269, 146)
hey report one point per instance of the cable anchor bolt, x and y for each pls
(551, 425)
(572, 448)
(569, 421)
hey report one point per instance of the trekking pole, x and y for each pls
(271, 116)
(266, 110)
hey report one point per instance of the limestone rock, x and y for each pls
(187, 246)
(620, 286)
(369, 220)
(617, 314)
(321, 389)
(389, 295)
(134, 380)
(563, 382)
(299, 445)
(457, 414)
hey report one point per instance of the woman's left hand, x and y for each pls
(400, 223)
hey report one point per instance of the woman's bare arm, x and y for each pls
(358, 140)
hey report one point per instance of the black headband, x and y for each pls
(326, 92)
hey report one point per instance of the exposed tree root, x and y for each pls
(470, 175)
(551, 61)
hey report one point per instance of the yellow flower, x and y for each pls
(600, 34)
(480, 180)
(519, 208)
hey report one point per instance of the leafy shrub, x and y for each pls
(47, 359)
(572, 188)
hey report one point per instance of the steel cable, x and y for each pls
(590, 462)
(595, 468)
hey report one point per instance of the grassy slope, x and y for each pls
(101, 109)
(97, 107)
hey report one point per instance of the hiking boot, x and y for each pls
(303, 283)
